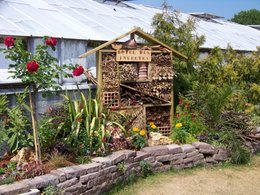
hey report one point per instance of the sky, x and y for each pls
(224, 8)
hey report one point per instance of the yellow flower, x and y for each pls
(135, 129)
(151, 123)
(142, 132)
(153, 126)
(178, 125)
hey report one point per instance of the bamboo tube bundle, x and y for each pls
(110, 75)
(162, 59)
(128, 72)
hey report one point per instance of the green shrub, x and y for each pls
(146, 168)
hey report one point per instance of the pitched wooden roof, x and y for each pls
(140, 33)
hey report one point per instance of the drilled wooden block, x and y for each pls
(111, 99)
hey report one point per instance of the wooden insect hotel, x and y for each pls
(137, 79)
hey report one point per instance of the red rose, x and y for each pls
(9, 41)
(78, 71)
(32, 66)
(51, 41)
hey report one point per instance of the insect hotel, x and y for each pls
(137, 79)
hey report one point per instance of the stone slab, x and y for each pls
(187, 148)
(174, 149)
(42, 181)
(140, 155)
(68, 183)
(156, 150)
(15, 188)
(32, 192)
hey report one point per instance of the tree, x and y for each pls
(169, 29)
(247, 17)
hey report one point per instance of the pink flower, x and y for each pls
(32, 66)
(79, 70)
(181, 102)
(51, 41)
(9, 41)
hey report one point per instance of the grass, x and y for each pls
(225, 179)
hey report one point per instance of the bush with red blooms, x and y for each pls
(79, 70)
(42, 64)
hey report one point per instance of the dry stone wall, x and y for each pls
(100, 175)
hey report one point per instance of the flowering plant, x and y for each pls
(188, 125)
(139, 138)
(40, 69)
(151, 127)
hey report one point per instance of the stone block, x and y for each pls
(174, 149)
(32, 192)
(150, 159)
(68, 183)
(141, 156)
(61, 176)
(106, 162)
(73, 171)
(210, 160)
(202, 145)
(108, 170)
(85, 178)
(15, 188)
(194, 153)
(207, 151)
(221, 155)
(187, 148)
(177, 162)
(156, 150)
(75, 189)
(42, 181)
(188, 160)
(178, 156)
(129, 153)
(90, 167)
(164, 158)
(131, 166)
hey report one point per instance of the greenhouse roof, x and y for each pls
(94, 20)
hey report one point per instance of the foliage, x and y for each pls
(50, 129)
(83, 159)
(188, 125)
(32, 169)
(139, 138)
(121, 167)
(57, 160)
(212, 100)
(169, 29)
(247, 17)
(8, 173)
(231, 68)
(234, 128)
(16, 127)
(146, 168)
(7, 180)
(87, 124)
(51, 190)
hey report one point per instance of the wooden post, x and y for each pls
(34, 125)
